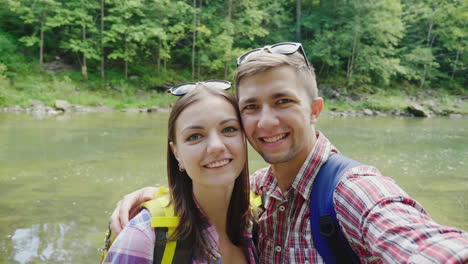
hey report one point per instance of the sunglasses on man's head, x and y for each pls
(284, 48)
(184, 88)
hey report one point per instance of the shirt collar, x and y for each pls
(309, 170)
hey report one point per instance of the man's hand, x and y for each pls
(128, 207)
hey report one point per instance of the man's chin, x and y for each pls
(276, 158)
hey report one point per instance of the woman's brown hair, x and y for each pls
(191, 223)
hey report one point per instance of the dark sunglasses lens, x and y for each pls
(218, 84)
(182, 89)
(247, 56)
(284, 48)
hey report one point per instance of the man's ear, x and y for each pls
(316, 109)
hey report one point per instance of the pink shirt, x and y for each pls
(135, 244)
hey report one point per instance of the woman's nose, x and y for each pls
(215, 143)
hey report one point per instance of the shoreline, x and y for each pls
(421, 110)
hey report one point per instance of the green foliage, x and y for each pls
(4, 84)
(359, 37)
(359, 45)
(13, 61)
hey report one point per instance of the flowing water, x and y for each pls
(61, 176)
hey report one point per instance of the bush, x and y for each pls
(9, 56)
(4, 84)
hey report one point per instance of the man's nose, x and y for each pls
(267, 118)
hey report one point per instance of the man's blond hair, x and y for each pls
(265, 61)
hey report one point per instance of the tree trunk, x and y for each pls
(158, 58)
(298, 20)
(198, 65)
(423, 77)
(84, 67)
(351, 60)
(41, 43)
(125, 59)
(429, 32)
(103, 73)
(455, 65)
(430, 41)
(126, 69)
(194, 36)
(200, 5)
(229, 18)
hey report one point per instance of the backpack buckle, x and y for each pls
(327, 227)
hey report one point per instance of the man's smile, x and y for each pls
(274, 139)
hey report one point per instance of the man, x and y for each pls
(279, 105)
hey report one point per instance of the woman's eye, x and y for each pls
(193, 137)
(229, 129)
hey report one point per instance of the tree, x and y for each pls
(357, 36)
(126, 32)
(38, 13)
(101, 39)
(298, 20)
(81, 16)
(218, 34)
(452, 38)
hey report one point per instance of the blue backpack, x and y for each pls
(326, 232)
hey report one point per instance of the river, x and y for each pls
(61, 176)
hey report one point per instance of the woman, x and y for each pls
(208, 182)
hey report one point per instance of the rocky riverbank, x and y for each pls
(411, 110)
(62, 106)
(428, 108)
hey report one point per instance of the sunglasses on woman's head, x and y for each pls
(284, 48)
(184, 88)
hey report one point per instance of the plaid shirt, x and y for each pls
(135, 244)
(381, 222)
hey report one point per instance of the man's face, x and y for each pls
(277, 115)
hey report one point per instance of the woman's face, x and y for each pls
(209, 143)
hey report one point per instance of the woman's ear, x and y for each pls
(316, 109)
(176, 153)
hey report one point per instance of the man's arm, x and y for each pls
(382, 222)
(135, 243)
(128, 207)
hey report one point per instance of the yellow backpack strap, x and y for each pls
(162, 217)
(108, 240)
(255, 199)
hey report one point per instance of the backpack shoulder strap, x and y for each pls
(164, 222)
(326, 232)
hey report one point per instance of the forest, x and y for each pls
(108, 46)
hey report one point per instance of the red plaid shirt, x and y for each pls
(381, 222)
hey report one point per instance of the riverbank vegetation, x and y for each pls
(377, 55)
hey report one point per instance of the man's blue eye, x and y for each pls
(284, 101)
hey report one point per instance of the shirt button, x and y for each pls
(281, 208)
(278, 249)
(306, 262)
